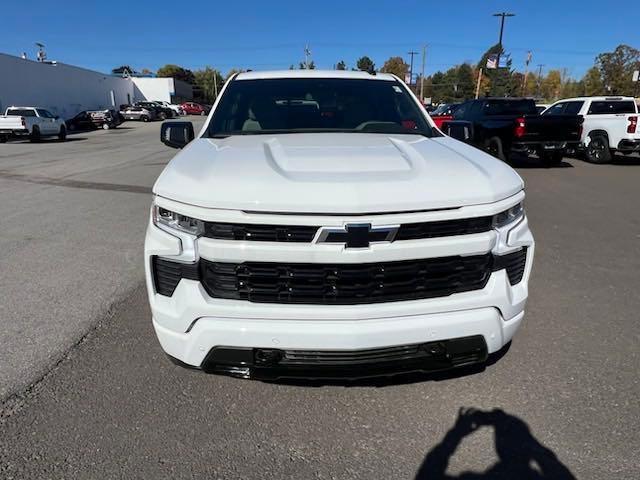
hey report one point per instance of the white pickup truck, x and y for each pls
(610, 125)
(31, 122)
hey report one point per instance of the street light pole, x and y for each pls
(411, 67)
(503, 15)
(424, 58)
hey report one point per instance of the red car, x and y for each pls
(191, 108)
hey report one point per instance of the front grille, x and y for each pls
(444, 228)
(305, 234)
(344, 284)
(347, 357)
(259, 232)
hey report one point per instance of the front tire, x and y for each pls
(493, 146)
(4, 138)
(598, 151)
(105, 126)
(144, 118)
(62, 135)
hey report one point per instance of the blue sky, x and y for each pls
(271, 34)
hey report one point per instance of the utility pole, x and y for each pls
(307, 53)
(424, 59)
(503, 15)
(526, 72)
(411, 67)
(540, 65)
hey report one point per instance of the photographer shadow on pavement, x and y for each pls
(520, 455)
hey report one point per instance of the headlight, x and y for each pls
(514, 214)
(176, 221)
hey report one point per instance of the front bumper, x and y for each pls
(191, 325)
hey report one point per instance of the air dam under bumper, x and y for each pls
(443, 340)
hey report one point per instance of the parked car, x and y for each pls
(192, 108)
(175, 108)
(412, 250)
(105, 119)
(505, 126)
(610, 125)
(32, 122)
(541, 107)
(81, 121)
(443, 113)
(138, 113)
(161, 111)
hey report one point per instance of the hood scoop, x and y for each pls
(343, 162)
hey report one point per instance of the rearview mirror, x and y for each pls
(176, 134)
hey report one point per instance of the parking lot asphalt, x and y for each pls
(562, 401)
(73, 224)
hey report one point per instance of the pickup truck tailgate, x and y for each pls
(9, 123)
(554, 128)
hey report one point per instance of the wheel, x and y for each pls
(162, 116)
(4, 138)
(598, 150)
(35, 135)
(493, 146)
(105, 126)
(72, 127)
(62, 135)
(144, 118)
(552, 159)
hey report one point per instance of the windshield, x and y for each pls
(292, 105)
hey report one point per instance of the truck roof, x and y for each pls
(315, 74)
(610, 98)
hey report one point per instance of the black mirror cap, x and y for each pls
(176, 134)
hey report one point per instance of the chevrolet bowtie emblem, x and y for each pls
(358, 235)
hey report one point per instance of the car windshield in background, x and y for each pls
(294, 105)
(510, 107)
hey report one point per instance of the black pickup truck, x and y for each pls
(506, 126)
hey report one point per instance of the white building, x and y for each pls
(66, 90)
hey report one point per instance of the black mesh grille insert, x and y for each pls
(342, 284)
(259, 232)
(444, 228)
(305, 234)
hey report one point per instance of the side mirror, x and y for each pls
(176, 134)
(459, 131)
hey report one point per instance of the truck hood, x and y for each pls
(334, 173)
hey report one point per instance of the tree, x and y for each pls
(176, 72)
(209, 81)
(592, 81)
(617, 69)
(397, 66)
(311, 66)
(499, 78)
(341, 65)
(551, 85)
(122, 69)
(365, 64)
(233, 71)
(146, 71)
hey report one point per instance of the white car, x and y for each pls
(34, 123)
(321, 226)
(172, 106)
(610, 125)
